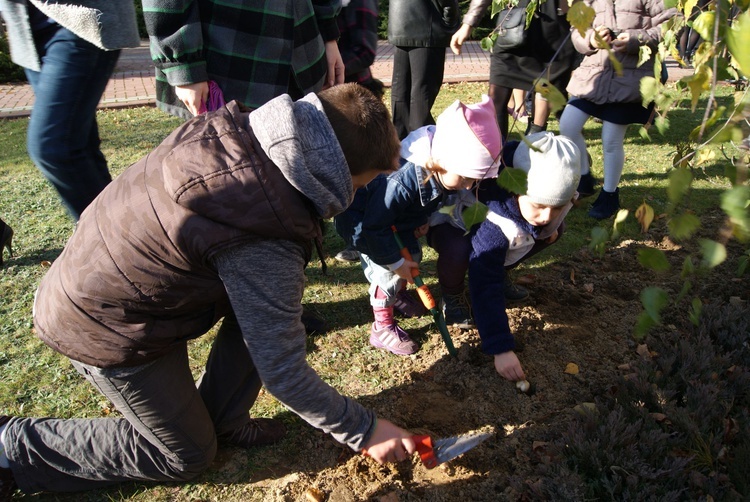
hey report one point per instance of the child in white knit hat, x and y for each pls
(462, 148)
(516, 227)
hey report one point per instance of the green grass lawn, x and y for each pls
(36, 381)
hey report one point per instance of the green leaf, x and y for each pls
(488, 42)
(554, 97)
(513, 180)
(726, 134)
(581, 16)
(655, 259)
(679, 184)
(714, 253)
(686, 287)
(649, 89)
(704, 24)
(654, 300)
(644, 133)
(599, 237)
(447, 209)
(742, 267)
(622, 214)
(644, 323)
(695, 311)
(735, 202)
(662, 124)
(683, 226)
(688, 267)
(644, 55)
(474, 214)
(616, 63)
(738, 41)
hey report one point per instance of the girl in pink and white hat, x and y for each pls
(462, 148)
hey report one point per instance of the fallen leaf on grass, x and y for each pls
(46, 264)
(588, 287)
(573, 275)
(571, 369)
(525, 280)
(643, 351)
(584, 408)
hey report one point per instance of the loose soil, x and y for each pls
(575, 337)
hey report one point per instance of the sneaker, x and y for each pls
(347, 255)
(586, 187)
(407, 305)
(7, 481)
(393, 339)
(513, 292)
(257, 432)
(457, 311)
(605, 205)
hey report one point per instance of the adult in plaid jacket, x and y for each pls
(254, 50)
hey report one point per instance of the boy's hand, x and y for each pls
(509, 367)
(194, 96)
(405, 270)
(390, 443)
(552, 238)
(421, 230)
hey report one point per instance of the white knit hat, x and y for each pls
(467, 140)
(553, 168)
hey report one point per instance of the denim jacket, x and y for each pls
(403, 199)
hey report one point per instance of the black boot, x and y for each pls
(586, 186)
(6, 240)
(457, 310)
(605, 205)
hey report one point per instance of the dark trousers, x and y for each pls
(63, 137)
(169, 427)
(416, 81)
(454, 249)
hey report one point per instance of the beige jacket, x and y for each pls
(595, 79)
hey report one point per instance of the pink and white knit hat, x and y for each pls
(467, 140)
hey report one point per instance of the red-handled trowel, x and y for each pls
(437, 451)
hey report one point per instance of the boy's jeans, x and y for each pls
(63, 137)
(168, 432)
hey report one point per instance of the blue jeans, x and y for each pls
(63, 136)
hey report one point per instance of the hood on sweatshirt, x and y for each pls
(299, 139)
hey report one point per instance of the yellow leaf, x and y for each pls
(705, 155)
(645, 216)
(571, 369)
(580, 17)
(555, 98)
(697, 83)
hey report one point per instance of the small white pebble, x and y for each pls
(523, 386)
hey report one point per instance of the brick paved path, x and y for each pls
(133, 81)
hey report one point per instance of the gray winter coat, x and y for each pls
(595, 79)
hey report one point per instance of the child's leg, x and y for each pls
(613, 144)
(571, 125)
(385, 332)
(453, 249)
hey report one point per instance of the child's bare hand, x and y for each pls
(390, 443)
(509, 367)
(405, 271)
(552, 238)
(620, 44)
(421, 230)
(601, 35)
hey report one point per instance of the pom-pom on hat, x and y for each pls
(467, 140)
(552, 166)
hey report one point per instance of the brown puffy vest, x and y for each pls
(136, 276)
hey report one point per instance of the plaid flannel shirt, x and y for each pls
(255, 50)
